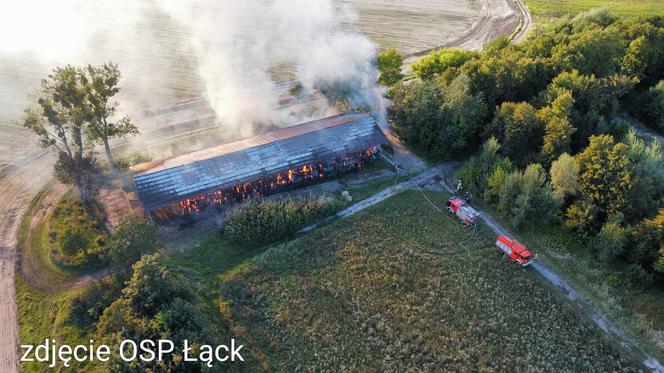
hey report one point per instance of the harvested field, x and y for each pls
(401, 286)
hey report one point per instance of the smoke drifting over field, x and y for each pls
(241, 46)
(238, 54)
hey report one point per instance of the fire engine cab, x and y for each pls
(460, 209)
(515, 251)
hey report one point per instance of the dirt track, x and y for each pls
(497, 18)
(20, 182)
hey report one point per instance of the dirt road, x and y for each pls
(20, 181)
(497, 18)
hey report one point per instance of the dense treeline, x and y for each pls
(548, 112)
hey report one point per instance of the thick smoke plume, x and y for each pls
(246, 57)
(247, 50)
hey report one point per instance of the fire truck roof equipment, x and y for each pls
(167, 181)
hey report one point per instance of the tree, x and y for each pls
(594, 100)
(593, 51)
(564, 176)
(152, 285)
(82, 173)
(647, 162)
(438, 61)
(59, 120)
(495, 183)
(558, 128)
(156, 303)
(389, 64)
(415, 114)
(610, 242)
(527, 197)
(462, 116)
(580, 217)
(101, 84)
(648, 242)
(649, 107)
(477, 170)
(132, 237)
(645, 53)
(605, 174)
(519, 130)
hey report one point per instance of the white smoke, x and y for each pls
(242, 55)
(245, 48)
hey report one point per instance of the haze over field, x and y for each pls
(232, 52)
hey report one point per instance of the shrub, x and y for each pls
(610, 241)
(87, 307)
(437, 62)
(132, 238)
(132, 159)
(637, 278)
(76, 234)
(580, 217)
(259, 222)
(650, 107)
(75, 238)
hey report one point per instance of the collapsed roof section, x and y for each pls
(168, 181)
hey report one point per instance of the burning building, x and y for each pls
(270, 163)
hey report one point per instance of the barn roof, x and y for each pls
(167, 181)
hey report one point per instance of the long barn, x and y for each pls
(279, 160)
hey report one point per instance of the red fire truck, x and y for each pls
(461, 210)
(515, 251)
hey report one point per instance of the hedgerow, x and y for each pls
(259, 222)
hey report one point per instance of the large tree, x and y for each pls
(389, 64)
(59, 119)
(132, 237)
(101, 85)
(416, 114)
(438, 61)
(557, 126)
(605, 174)
(519, 130)
(564, 176)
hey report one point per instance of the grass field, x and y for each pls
(623, 8)
(395, 287)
